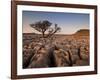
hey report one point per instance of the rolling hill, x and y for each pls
(82, 32)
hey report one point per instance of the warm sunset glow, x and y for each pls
(69, 22)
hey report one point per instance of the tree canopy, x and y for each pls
(43, 26)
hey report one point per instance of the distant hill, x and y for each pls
(82, 32)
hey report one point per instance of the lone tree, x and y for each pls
(44, 27)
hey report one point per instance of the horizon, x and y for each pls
(57, 33)
(68, 22)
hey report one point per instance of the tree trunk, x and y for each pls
(43, 35)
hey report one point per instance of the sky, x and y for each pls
(68, 22)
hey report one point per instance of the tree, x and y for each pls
(41, 26)
(52, 31)
(44, 27)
